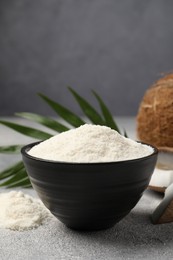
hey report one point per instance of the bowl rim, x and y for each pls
(27, 147)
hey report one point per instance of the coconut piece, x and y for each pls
(161, 179)
(155, 115)
(163, 176)
(155, 126)
(165, 158)
(164, 212)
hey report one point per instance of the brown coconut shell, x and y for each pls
(155, 115)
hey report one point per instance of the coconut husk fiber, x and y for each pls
(155, 115)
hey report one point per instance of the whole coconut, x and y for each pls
(155, 115)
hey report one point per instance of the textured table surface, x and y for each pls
(135, 237)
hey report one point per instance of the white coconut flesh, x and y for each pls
(165, 158)
(163, 174)
(161, 179)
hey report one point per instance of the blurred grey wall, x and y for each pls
(117, 48)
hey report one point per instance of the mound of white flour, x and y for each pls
(19, 211)
(90, 143)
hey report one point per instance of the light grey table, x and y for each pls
(135, 237)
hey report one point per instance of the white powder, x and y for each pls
(90, 143)
(19, 211)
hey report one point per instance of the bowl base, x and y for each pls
(91, 228)
(91, 224)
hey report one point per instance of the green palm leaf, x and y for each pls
(12, 149)
(12, 170)
(63, 112)
(24, 183)
(109, 121)
(16, 176)
(46, 121)
(88, 110)
(32, 132)
(125, 134)
(20, 175)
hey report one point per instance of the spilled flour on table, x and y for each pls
(19, 211)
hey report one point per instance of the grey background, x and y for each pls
(117, 48)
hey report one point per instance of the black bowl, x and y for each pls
(89, 196)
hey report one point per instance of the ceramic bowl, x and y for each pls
(89, 196)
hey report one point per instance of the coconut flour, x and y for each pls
(90, 143)
(19, 211)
